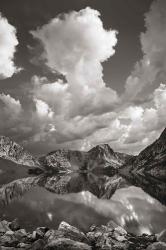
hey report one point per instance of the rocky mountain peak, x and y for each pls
(102, 148)
(13, 151)
(101, 156)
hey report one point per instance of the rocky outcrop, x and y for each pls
(157, 246)
(104, 155)
(63, 160)
(152, 160)
(66, 237)
(12, 151)
(99, 158)
(115, 237)
(110, 236)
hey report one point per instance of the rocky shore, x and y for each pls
(109, 237)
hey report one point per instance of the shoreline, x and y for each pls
(111, 236)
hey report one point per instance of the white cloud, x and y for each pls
(76, 45)
(83, 112)
(160, 103)
(135, 126)
(71, 110)
(42, 109)
(10, 113)
(55, 94)
(76, 38)
(11, 106)
(8, 43)
(151, 69)
(84, 109)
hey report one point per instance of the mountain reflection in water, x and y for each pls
(81, 200)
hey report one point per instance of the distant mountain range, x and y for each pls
(152, 160)
(98, 158)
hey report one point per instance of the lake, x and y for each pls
(81, 200)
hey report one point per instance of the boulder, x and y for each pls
(39, 233)
(37, 245)
(66, 244)
(66, 231)
(157, 246)
(8, 240)
(14, 225)
(4, 226)
(20, 234)
(50, 235)
(24, 245)
(71, 232)
(102, 237)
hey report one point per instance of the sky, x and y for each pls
(77, 73)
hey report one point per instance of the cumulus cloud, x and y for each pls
(135, 126)
(8, 43)
(42, 109)
(72, 110)
(82, 111)
(128, 129)
(76, 45)
(11, 106)
(76, 37)
(151, 69)
(52, 102)
(10, 113)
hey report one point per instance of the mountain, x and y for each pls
(99, 157)
(63, 160)
(104, 155)
(152, 160)
(12, 151)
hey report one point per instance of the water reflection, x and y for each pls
(39, 207)
(101, 186)
(147, 215)
(10, 171)
(155, 187)
(81, 200)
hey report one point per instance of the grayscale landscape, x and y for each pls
(83, 125)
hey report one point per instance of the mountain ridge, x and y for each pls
(101, 156)
(12, 151)
(152, 159)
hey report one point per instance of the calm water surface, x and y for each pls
(37, 201)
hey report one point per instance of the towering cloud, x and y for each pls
(151, 70)
(83, 110)
(76, 44)
(8, 43)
